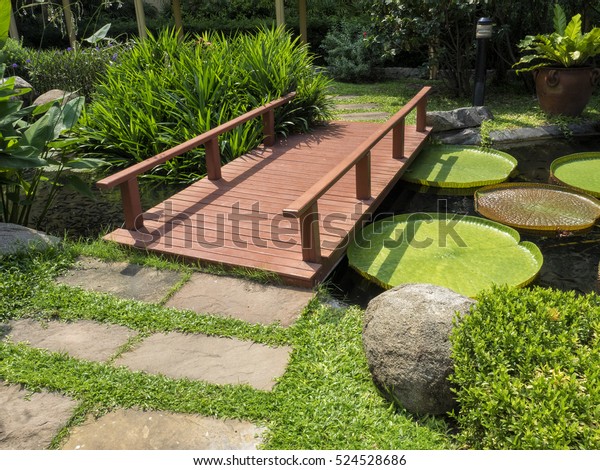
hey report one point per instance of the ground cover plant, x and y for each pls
(165, 91)
(325, 400)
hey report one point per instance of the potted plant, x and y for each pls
(561, 65)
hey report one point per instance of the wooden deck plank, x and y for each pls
(238, 220)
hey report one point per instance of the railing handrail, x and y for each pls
(309, 197)
(143, 166)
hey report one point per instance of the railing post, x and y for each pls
(132, 205)
(213, 159)
(398, 139)
(309, 234)
(269, 127)
(422, 114)
(363, 177)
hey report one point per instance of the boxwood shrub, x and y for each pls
(527, 370)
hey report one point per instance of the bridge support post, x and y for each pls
(213, 159)
(132, 205)
(309, 234)
(398, 140)
(363, 177)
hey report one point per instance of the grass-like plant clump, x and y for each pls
(526, 371)
(165, 91)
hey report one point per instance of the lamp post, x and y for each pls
(483, 32)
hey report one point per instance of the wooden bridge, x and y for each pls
(289, 207)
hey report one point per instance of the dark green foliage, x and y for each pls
(70, 70)
(165, 91)
(526, 371)
(349, 55)
(445, 30)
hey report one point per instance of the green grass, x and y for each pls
(511, 105)
(325, 400)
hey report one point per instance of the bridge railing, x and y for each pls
(127, 179)
(305, 208)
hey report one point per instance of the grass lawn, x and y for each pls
(511, 104)
(325, 400)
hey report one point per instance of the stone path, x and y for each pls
(365, 111)
(31, 420)
(195, 356)
(83, 339)
(246, 300)
(151, 430)
(122, 279)
(210, 358)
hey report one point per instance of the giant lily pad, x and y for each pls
(464, 253)
(459, 166)
(578, 170)
(538, 208)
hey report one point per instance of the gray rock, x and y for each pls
(459, 118)
(52, 95)
(406, 340)
(459, 137)
(16, 238)
(19, 83)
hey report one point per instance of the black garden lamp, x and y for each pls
(483, 32)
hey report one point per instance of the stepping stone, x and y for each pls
(210, 358)
(158, 430)
(82, 339)
(246, 300)
(345, 97)
(369, 116)
(354, 106)
(126, 280)
(16, 238)
(29, 421)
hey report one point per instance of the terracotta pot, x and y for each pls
(565, 91)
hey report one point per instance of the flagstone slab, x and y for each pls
(209, 358)
(82, 339)
(240, 298)
(126, 280)
(157, 430)
(29, 421)
(356, 106)
(366, 116)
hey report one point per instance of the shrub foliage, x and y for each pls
(165, 91)
(526, 370)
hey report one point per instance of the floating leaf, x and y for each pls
(538, 208)
(464, 253)
(578, 170)
(459, 166)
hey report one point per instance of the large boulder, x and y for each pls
(16, 238)
(406, 340)
(460, 118)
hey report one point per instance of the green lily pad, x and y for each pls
(459, 166)
(538, 208)
(578, 170)
(466, 254)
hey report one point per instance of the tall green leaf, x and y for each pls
(559, 19)
(5, 14)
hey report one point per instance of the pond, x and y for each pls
(570, 263)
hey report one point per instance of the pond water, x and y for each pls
(570, 263)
